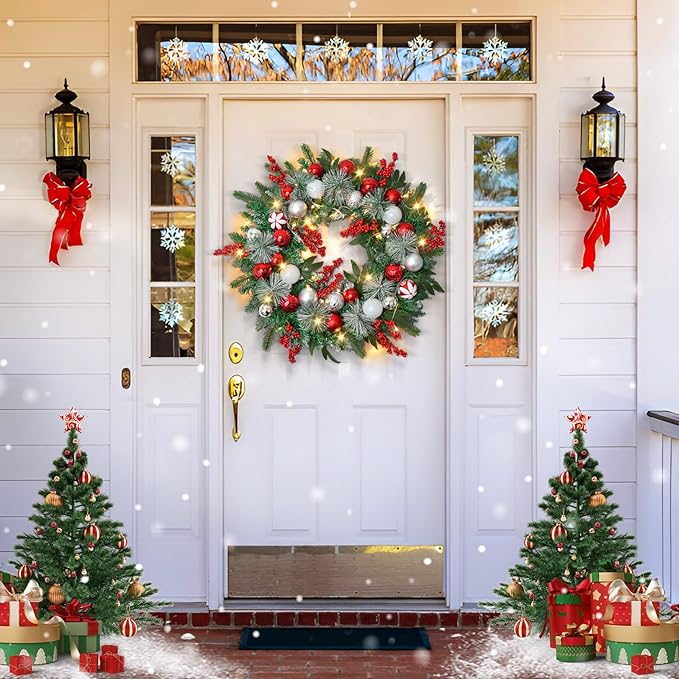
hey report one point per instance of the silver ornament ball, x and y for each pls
(386, 229)
(265, 310)
(389, 302)
(372, 308)
(297, 209)
(335, 301)
(307, 295)
(253, 233)
(392, 214)
(290, 274)
(353, 200)
(315, 189)
(414, 261)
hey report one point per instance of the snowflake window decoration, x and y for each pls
(494, 49)
(497, 236)
(170, 163)
(337, 49)
(171, 312)
(256, 51)
(419, 47)
(176, 51)
(495, 313)
(494, 162)
(172, 238)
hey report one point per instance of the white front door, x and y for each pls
(349, 454)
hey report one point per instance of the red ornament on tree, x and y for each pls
(334, 322)
(290, 303)
(565, 477)
(597, 524)
(128, 627)
(261, 270)
(572, 454)
(85, 477)
(528, 542)
(393, 196)
(558, 532)
(24, 572)
(286, 191)
(404, 227)
(368, 184)
(522, 627)
(394, 272)
(350, 295)
(93, 532)
(584, 453)
(611, 531)
(122, 541)
(554, 491)
(316, 169)
(277, 259)
(282, 237)
(346, 166)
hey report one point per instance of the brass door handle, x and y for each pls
(236, 393)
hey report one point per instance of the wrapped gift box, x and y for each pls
(661, 642)
(642, 664)
(21, 665)
(630, 608)
(85, 635)
(19, 610)
(89, 662)
(576, 646)
(112, 663)
(40, 643)
(599, 582)
(567, 606)
(109, 648)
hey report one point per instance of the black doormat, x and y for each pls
(334, 638)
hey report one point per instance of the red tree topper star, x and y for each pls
(578, 420)
(72, 419)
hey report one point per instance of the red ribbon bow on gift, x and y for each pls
(558, 586)
(598, 198)
(70, 201)
(73, 611)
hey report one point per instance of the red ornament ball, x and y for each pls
(628, 569)
(558, 532)
(368, 184)
(286, 191)
(572, 454)
(73, 575)
(334, 322)
(290, 303)
(53, 524)
(38, 531)
(641, 588)
(34, 564)
(128, 627)
(346, 166)
(522, 627)
(261, 270)
(90, 545)
(393, 196)
(70, 463)
(394, 272)
(277, 259)
(350, 295)
(85, 477)
(554, 491)
(611, 531)
(282, 237)
(316, 169)
(404, 228)
(559, 547)
(584, 453)
(67, 452)
(597, 524)
(93, 532)
(24, 572)
(122, 541)
(565, 477)
(581, 464)
(528, 542)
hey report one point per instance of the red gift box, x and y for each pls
(112, 663)
(600, 580)
(20, 665)
(566, 606)
(89, 662)
(634, 608)
(19, 609)
(109, 648)
(642, 664)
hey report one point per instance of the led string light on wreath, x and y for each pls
(313, 304)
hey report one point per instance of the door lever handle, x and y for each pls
(236, 393)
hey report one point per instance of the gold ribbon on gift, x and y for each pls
(575, 630)
(32, 594)
(30, 635)
(642, 634)
(619, 592)
(59, 624)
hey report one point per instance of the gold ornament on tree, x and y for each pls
(136, 589)
(597, 500)
(514, 589)
(53, 498)
(55, 594)
(558, 499)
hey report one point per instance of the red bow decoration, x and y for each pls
(598, 198)
(73, 611)
(70, 201)
(558, 586)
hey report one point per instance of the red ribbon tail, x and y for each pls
(74, 236)
(595, 231)
(59, 241)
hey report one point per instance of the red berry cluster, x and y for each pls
(313, 240)
(276, 173)
(436, 237)
(385, 331)
(327, 283)
(230, 250)
(385, 169)
(358, 227)
(288, 341)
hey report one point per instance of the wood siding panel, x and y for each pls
(621, 251)
(574, 218)
(36, 214)
(592, 321)
(47, 73)
(585, 34)
(31, 38)
(603, 9)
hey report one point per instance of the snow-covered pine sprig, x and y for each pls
(312, 317)
(373, 205)
(299, 179)
(355, 321)
(271, 290)
(399, 246)
(379, 287)
(262, 247)
(338, 186)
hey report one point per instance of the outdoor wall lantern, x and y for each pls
(67, 142)
(600, 187)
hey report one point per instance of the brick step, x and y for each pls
(326, 619)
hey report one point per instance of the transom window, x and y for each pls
(386, 52)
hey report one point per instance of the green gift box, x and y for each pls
(6, 578)
(609, 576)
(659, 641)
(564, 599)
(575, 653)
(41, 642)
(86, 636)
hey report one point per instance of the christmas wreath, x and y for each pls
(308, 303)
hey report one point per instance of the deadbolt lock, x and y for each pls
(236, 352)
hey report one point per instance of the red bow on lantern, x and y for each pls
(70, 201)
(73, 611)
(598, 198)
(558, 586)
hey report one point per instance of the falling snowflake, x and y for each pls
(494, 162)
(256, 51)
(337, 49)
(495, 313)
(419, 47)
(172, 238)
(176, 51)
(494, 50)
(497, 236)
(170, 163)
(171, 312)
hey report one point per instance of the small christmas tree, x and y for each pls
(578, 536)
(76, 552)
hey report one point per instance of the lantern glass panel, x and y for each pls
(606, 135)
(83, 134)
(64, 127)
(587, 127)
(621, 136)
(49, 136)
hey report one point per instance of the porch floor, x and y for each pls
(468, 653)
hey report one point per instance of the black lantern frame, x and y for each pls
(602, 135)
(67, 137)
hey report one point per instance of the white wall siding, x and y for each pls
(55, 329)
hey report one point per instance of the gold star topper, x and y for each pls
(72, 419)
(578, 420)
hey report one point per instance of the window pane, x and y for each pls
(496, 246)
(257, 52)
(496, 51)
(351, 55)
(173, 314)
(173, 171)
(173, 246)
(419, 52)
(496, 171)
(496, 323)
(174, 52)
